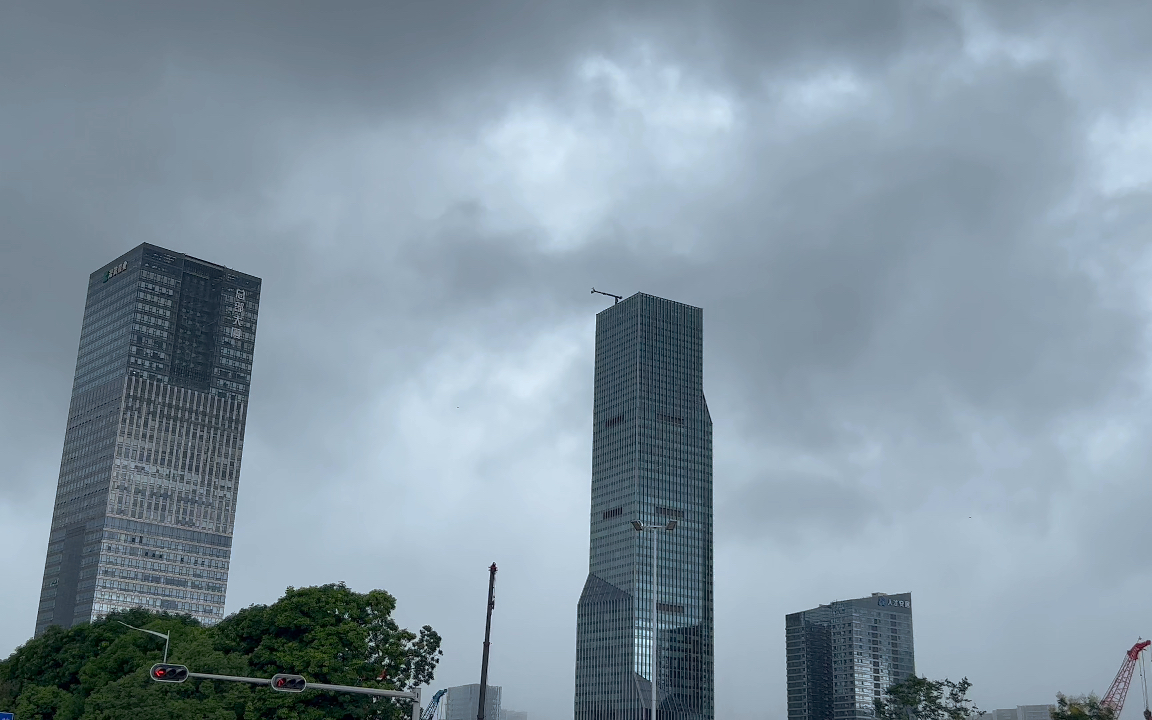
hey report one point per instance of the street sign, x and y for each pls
(7, 716)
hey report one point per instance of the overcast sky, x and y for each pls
(918, 231)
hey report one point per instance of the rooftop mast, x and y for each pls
(601, 292)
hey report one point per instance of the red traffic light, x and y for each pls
(168, 673)
(288, 683)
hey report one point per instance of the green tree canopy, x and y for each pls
(329, 634)
(917, 698)
(1082, 707)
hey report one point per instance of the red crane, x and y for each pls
(1114, 698)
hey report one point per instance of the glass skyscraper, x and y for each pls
(843, 656)
(652, 462)
(146, 498)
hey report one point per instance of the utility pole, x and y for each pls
(487, 635)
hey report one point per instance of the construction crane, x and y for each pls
(430, 711)
(601, 292)
(1114, 698)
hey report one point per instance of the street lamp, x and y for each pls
(641, 527)
(166, 636)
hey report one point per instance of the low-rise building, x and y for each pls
(1020, 712)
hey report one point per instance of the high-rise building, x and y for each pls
(146, 498)
(513, 715)
(809, 649)
(651, 462)
(463, 702)
(843, 656)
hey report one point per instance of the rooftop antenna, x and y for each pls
(601, 292)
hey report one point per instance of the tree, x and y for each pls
(40, 702)
(330, 634)
(1083, 707)
(917, 698)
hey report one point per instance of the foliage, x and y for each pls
(917, 698)
(329, 634)
(44, 702)
(1084, 707)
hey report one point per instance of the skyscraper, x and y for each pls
(843, 656)
(146, 498)
(652, 462)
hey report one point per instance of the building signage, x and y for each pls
(115, 271)
(238, 308)
(886, 602)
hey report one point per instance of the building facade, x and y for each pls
(1021, 712)
(1034, 712)
(463, 703)
(146, 497)
(809, 650)
(843, 656)
(652, 462)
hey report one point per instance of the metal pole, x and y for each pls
(654, 534)
(487, 634)
(413, 695)
(166, 636)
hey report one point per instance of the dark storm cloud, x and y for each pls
(919, 312)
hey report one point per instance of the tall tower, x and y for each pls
(652, 462)
(146, 498)
(843, 656)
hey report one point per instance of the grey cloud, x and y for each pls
(889, 290)
(797, 508)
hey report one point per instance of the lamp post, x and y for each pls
(641, 527)
(166, 636)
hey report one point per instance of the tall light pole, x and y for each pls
(166, 636)
(641, 527)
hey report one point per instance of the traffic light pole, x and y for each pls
(413, 695)
(230, 678)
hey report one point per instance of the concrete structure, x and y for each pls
(513, 715)
(1021, 712)
(842, 656)
(651, 462)
(463, 703)
(146, 497)
(1034, 712)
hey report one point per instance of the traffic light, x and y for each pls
(288, 683)
(168, 673)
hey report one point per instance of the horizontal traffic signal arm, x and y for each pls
(414, 695)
